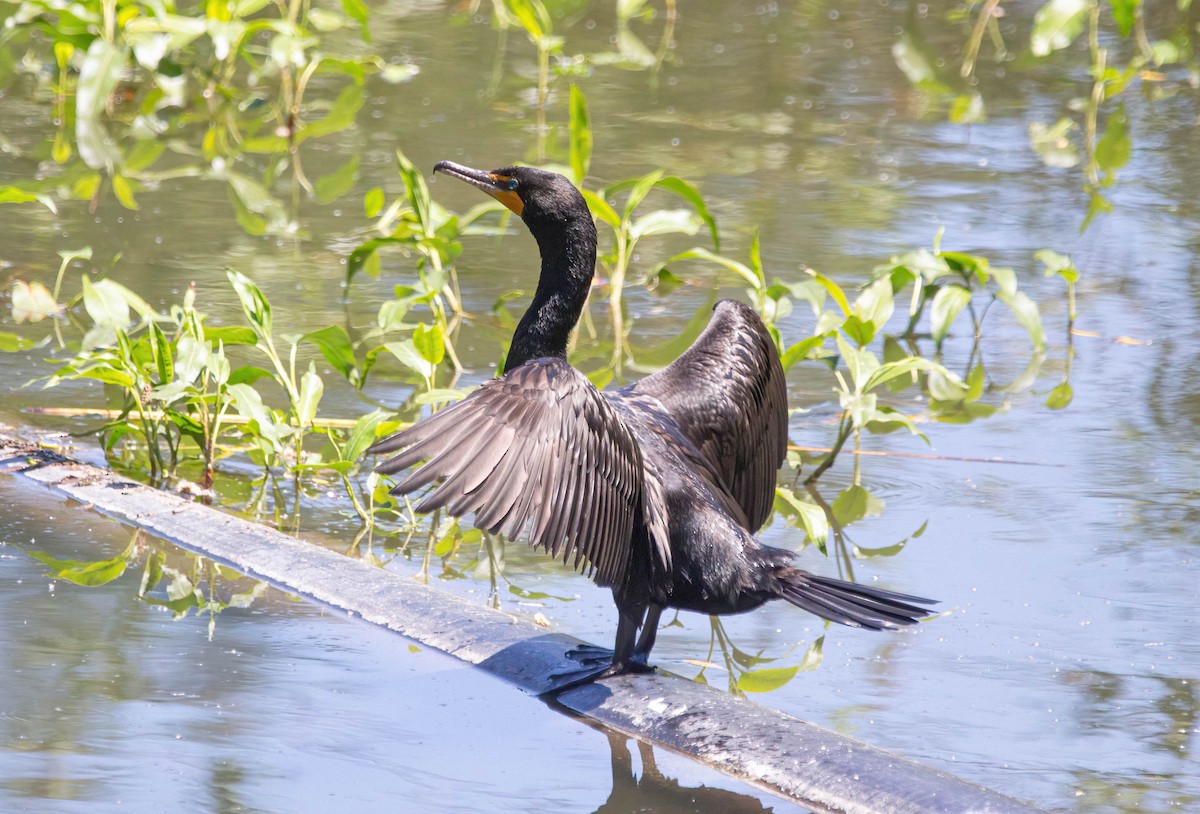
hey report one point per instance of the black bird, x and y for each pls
(655, 488)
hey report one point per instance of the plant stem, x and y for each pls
(844, 431)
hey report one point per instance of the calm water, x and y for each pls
(1065, 668)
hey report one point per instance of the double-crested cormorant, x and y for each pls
(655, 488)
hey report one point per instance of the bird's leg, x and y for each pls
(645, 642)
(622, 659)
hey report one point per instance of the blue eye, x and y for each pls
(512, 184)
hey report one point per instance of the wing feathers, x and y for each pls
(728, 395)
(537, 449)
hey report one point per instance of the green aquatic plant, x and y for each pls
(1124, 51)
(147, 93)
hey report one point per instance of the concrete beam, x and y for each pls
(797, 760)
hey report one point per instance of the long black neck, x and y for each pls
(568, 249)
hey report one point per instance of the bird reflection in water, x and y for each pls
(654, 791)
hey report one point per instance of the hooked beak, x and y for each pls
(489, 182)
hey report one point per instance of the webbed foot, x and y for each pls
(577, 678)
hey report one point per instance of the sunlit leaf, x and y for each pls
(1057, 24)
(1053, 144)
(80, 572)
(11, 343)
(692, 195)
(1060, 396)
(915, 65)
(311, 389)
(699, 253)
(32, 302)
(666, 221)
(373, 202)
(254, 303)
(967, 108)
(99, 74)
(811, 517)
(230, 334)
(408, 355)
(430, 343)
(1124, 12)
(833, 288)
(581, 136)
(947, 304)
(801, 350)
(153, 573)
(1026, 312)
(123, 189)
(766, 679)
(105, 304)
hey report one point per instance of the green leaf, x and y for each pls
(105, 304)
(855, 503)
(249, 374)
(862, 332)
(811, 517)
(406, 351)
(833, 288)
(341, 116)
(1060, 396)
(153, 573)
(363, 435)
(373, 202)
(891, 370)
(229, 335)
(1115, 146)
(32, 302)
(335, 345)
(915, 65)
(11, 343)
(601, 209)
(1054, 144)
(801, 350)
(12, 194)
(311, 389)
(337, 183)
(1026, 312)
(99, 74)
(89, 574)
(967, 108)
(430, 343)
(699, 253)
(692, 195)
(1057, 24)
(665, 221)
(1124, 14)
(766, 679)
(254, 304)
(948, 303)
(357, 11)
(581, 136)
(123, 189)
(1059, 264)
(442, 395)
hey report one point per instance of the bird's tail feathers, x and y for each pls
(848, 603)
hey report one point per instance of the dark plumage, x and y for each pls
(655, 488)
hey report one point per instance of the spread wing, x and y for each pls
(728, 395)
(540, 448)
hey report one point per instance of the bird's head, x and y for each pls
(540, 198)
